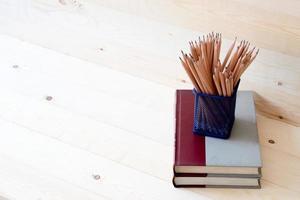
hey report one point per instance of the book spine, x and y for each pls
(176, 115)
(175, 139)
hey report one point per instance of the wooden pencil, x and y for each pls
(227, 85)
(217, 85)
(221, 76)
(189, 73)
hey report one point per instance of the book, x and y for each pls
(237, 157)
(188, 180)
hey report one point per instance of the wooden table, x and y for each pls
(87, 95)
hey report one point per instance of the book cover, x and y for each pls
(239, 155)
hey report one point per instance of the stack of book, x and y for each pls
(210, 162)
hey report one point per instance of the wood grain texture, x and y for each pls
(63, 142)
(111, 68)
(148, 48)
(270, 24)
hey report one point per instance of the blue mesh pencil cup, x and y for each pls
(213, 114)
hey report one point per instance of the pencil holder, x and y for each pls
(214, 115)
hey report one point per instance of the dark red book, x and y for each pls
(194, 155)
(211, 161)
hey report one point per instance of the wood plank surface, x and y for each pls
(122, 36)
(87, 88)
(110, 136)
(270, 24)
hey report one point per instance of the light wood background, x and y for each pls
(112, 68)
